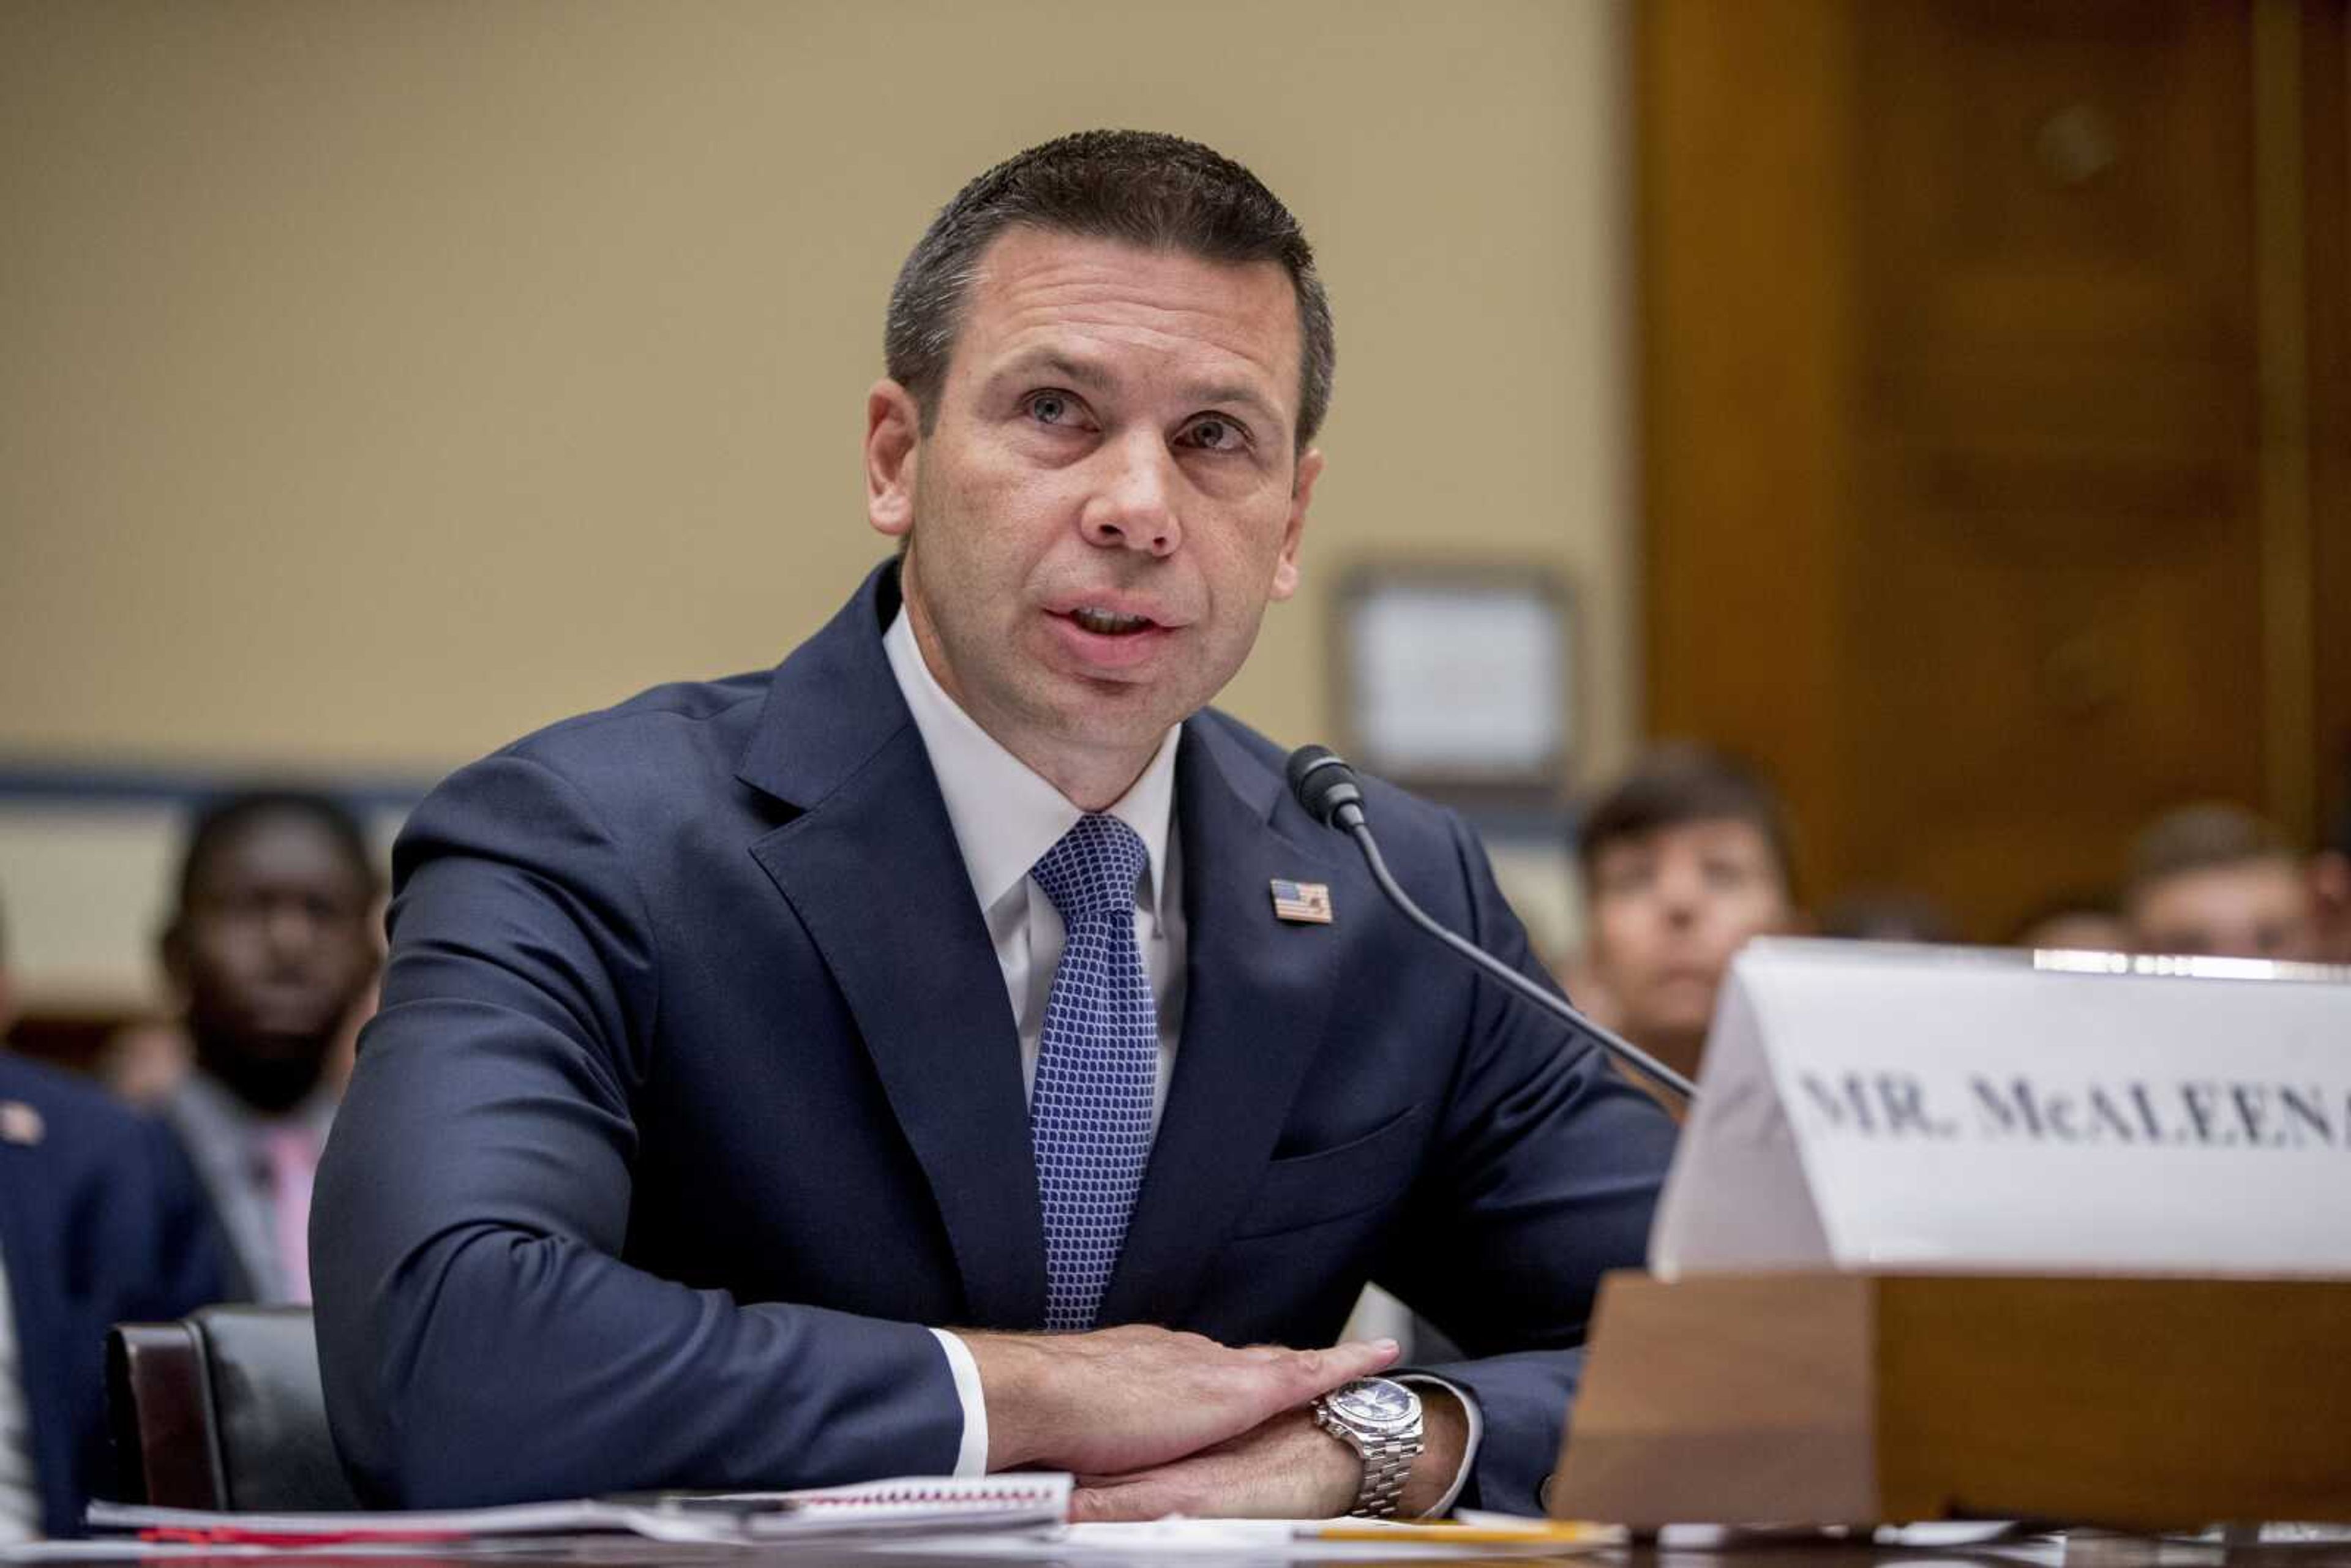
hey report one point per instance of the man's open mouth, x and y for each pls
(1110, 622)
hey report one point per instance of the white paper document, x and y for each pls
(1269, 1540)
(1012, 1502)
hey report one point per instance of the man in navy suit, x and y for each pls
(763, 1062)
(101, 1222)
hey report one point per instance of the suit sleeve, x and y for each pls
(1545, 1174)
(479, 1337)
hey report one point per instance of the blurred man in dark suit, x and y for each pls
(764, 1063)
(100, 1222)
(271, 943)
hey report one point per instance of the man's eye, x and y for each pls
(1051, 408)
(242, 906)
(1216, 433)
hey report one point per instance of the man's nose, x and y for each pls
(1681, 892)
(1134, 504)
(292, 929)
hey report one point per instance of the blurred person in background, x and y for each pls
(2330, 882)
(2079, 922)
(1887, 915)
(145, 1062)
(101, 1220)
(1683, 859)
(2215, 879)
(272, 948)
(2330, 878)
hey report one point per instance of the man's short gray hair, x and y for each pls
(1142, 187)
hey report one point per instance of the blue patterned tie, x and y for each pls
(1090, 1115)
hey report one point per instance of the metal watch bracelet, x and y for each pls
(1387, 1465)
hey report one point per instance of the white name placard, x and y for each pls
(1873, 1106)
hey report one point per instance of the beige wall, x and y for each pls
(382, 380)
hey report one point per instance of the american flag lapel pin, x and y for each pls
(20, 1124)
(1301, 902)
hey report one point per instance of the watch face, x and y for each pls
(1376, 1402)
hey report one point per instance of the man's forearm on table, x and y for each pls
(1036, 1409)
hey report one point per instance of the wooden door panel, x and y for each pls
(2058, 581)
(1955, 423)
(2044, 658)
(1995, 403)
(2326, 148)
(2057, 178)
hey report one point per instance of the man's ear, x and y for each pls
(893, 430)
(1302, 492)
(172, 952)
(2330, 893)
(2330, 880)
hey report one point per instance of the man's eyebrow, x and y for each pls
(1086, 372)
(1235, 392)
(1053, 363)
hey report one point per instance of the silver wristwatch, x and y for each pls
(1380, 1419)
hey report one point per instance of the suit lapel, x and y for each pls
(872, 868)
(1257, 993)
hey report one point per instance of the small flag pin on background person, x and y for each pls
(1301, 902)
(20, 1124)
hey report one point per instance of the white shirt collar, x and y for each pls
(1006, 816)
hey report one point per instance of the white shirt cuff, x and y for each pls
(971, 1457)
(1444, 1505)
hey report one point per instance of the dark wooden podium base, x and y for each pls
(2139, 1402)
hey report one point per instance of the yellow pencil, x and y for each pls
(1467, 1534)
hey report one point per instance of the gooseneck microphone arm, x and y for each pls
(1323, 783)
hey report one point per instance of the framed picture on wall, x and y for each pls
(1458, 679)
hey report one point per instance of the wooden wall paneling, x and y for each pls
(1745, 237)
(2050, 670)
(2027, 166)
(2058, 588)
(2281, 341)
(1956, 506)
(2326, 152)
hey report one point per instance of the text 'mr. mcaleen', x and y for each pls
(2206, 1111)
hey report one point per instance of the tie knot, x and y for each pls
(1091, 871)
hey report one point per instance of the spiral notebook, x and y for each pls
(929, 1504)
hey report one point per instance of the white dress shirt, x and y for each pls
(20, 1494)
(1005, 817)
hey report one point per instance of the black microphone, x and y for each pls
(1321, 781)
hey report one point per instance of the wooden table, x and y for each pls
(2079, 1550)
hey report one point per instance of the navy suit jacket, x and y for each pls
(100, 1222)
(696, 1090)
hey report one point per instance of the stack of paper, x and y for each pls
(925, 1504)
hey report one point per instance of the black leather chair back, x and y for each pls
(224, 1410)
